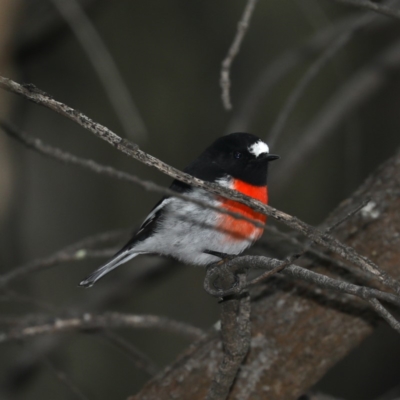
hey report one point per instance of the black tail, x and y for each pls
(120, 258)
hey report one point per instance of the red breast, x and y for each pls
(240, 229)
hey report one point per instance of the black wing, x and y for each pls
(149, 224)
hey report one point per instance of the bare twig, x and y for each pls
(235, 333)
(385, 314)
(351, 213)
(369, 5)
(243, 25)
(105, 67)
(107, 320)
(32, 93)
(282, 265)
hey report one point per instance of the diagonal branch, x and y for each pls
(37, 96)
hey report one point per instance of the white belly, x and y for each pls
(186, 230)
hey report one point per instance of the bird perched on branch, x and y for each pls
(196, 235)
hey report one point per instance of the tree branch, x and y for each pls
(236, 337)
(243, 25)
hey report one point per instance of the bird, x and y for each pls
(195, 235)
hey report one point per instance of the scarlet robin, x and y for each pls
(188, 232)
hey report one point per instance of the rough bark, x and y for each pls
(298, 332)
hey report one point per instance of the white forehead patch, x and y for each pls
(258, 148)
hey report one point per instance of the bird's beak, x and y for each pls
(272, 157)
(266, 157)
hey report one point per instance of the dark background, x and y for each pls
(169, 54)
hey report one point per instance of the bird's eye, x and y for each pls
(237, 154)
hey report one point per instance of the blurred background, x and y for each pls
(168, 56)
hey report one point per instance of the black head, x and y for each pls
(241, 155)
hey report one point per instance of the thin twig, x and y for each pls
(107, 320)
(105, 68)
(283, 264)
(350, 214)
(385, 314)
(242, 27)
(369, 5)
